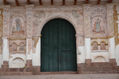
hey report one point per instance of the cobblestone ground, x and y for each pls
(64, 76)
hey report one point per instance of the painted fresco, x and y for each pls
(17, 29)
(99, 44)
(17, 46)
(97, 24)
(17, 32)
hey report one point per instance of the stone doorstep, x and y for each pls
(16, 73)
(93, 68)
(64, 76)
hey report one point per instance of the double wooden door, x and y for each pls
(58, 47)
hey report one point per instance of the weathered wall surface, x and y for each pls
(117, 35)
(20, 32)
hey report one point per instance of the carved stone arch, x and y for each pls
(17, 62)
(99, 59)
(94, 42)
(62, 17)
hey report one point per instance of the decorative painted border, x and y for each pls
(115, 16)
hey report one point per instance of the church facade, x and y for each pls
(59, 39)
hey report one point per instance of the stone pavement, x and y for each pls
(64, 76)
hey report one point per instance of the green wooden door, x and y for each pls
(58, 47)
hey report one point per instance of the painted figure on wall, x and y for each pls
(17, 27)
(98, 25)
(94, 45)
(102, 46)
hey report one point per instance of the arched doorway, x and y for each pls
(58, 46)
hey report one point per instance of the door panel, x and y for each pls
(49, 54)
(58, 47)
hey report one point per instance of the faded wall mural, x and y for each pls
(23, 26)
(17, 46)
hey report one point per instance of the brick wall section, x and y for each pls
(93, 68)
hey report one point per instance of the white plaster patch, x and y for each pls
(36, 56)
(117, 54)
(100, 56)
(80, 54)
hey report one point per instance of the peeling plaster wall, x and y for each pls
(33, 18)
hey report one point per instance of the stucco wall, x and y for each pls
(33, 18)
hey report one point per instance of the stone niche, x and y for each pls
(95, 20)
(17, 63)
(17, 46)
(99, 49)
(17, 30)
(17, 23)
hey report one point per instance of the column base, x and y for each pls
(5, 66)
(28, 66)
(78, 68)
(88, 62)
(113, 62)
(36, 70)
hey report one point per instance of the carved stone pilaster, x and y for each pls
(28, 67)
(5, 54)
(110, 19)
(6, 15)
(86, 12)
(29, 48)
(5, 66)
(29, 19)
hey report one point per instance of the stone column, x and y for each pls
(112, 51)
(80, 51)
(5, 53)
(37, 57)
(88, 50)
(29, 53)
(5, 50)
(29, 19)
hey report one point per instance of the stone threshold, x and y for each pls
(64, 76)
